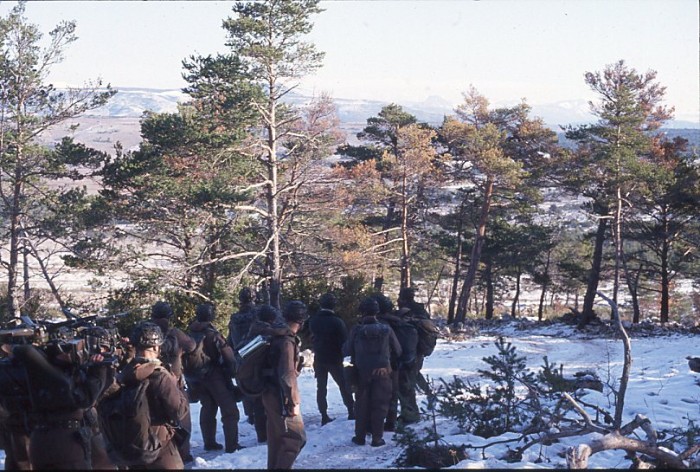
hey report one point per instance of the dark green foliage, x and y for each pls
(428, 449)
(418, 452)
(494, 409)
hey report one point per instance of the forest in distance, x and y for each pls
(483, 212)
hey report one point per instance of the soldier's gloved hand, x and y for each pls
(381, 372)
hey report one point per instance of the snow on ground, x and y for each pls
(661, 387)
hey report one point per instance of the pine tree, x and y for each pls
(29, 106)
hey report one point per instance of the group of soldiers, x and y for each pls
(385, 363)
(50, 392)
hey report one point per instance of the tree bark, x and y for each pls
(457, 267)
(594, 274)
(488, 275)
(476, 251)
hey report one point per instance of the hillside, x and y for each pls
(118, 121)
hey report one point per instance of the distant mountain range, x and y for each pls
(131, 102)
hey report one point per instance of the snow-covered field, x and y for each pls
(661, 387)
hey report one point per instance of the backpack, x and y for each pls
(427, 335)
(253, 368)
(407, 334)
(371, 345)
(125, 422)
(197, 363)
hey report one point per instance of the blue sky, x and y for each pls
(405, 50)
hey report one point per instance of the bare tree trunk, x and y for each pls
(457, 267)
(488, 275)
(25, 267)
(476, 252)
(545, 279)
(514, 306)
(405, 246)
(665, 279)
(627, 365)
(594, 274)
(618, 244)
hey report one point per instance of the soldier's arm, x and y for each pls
(169, 397)
(287, 373)
(394, 343)
(184, 341)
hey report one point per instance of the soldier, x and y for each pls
(166, 401)
(63, 386)
(328, 334)
(409, 308)
(403, 374)
(371, 345)
(216, 390)
(285, 426)
(14, 400)
(175, 343)
(238, 328)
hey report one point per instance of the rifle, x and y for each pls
(23, 330)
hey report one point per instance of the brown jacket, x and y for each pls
(176, 343)
(167, 403)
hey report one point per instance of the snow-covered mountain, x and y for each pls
(132, 102)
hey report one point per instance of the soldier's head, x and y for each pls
(161, 310)
(406, 296)
(368, 307)
(98, 339)
(147, 337)
(246, 295)
(384, 302)
(328, 301)
(205, 312)
(267, 313)
(294, 313)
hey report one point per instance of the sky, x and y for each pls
(404, 50)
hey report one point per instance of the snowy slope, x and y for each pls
(661, 387)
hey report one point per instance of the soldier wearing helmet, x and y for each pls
(328, 334)
(167, 403)
(175, 343)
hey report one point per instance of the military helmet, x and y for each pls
(384, 302)
(161, 310)
(147, 334)
(368, 307)
(328, 300)
(205, 312)
(97, 338)
(267, 313)
(246, 295)
(295, 311)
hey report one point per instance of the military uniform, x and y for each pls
(371, 345)
(62, 435)
(286, 435)
(167, 404)
(238, 330)
(174, 345)
(329, 333)
(215, 389)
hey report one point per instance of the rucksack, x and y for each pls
(197, 363)
(427, 335)
(125, 422)
(372, 344)
(253, 368)
(407, 334)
